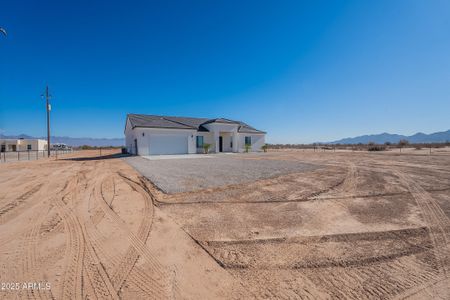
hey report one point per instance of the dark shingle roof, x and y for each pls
(153, 121)
(244, 128)
(221, 120)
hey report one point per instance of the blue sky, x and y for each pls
(303, 71)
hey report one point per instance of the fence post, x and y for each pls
(28, 154)
(18, 155)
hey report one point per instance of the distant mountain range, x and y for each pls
(437, 137)
(72, 141)
(418, 138)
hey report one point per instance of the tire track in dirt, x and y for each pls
(137, 277)
(422, 289)
(263, 253)
(79, 252)
(131, 257)
(29, 262)
(126, 270)
(29, 258)
(435, 218)
(72, 284)
(162, 283)
(18, 201)
(99, 278)
(351, 278)
(97, 196)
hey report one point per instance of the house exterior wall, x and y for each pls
(22, 144)
(129, 138)
(208, 138)
(8, 144)
(258, 140)
(144, 136)
(42, 145)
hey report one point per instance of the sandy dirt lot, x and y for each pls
(356, 226)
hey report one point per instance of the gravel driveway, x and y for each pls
(182, 175)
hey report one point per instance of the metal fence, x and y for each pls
(14, 156)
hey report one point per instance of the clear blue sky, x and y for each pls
(304, 71)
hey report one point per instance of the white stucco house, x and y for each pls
(7, 145)
(160, 135)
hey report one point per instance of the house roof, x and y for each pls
(154, 121)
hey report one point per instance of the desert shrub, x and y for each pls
(264, 147)
(438, 145)
(374, 147)
(403, 143)
(87, 147)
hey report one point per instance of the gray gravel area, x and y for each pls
(183, 175)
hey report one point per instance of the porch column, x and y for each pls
(235, 141)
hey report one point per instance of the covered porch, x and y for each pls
(226, 141)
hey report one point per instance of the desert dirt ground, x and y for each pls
(357, 226)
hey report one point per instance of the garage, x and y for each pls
(168, 144)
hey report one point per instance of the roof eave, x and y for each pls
(161, 127)
(253, 132)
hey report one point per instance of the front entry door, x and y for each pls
(220, 144)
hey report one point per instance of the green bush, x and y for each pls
(206, 148)
(264, 147)
(247, 147)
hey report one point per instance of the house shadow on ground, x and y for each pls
(99, 157)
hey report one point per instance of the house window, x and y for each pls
(248, 140)
(199, 141)
(28, 147)
(231, 144)
(3, 148)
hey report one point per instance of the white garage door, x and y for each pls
(168, 144)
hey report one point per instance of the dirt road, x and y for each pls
(356, 226)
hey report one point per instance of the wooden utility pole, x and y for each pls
(48, 107)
